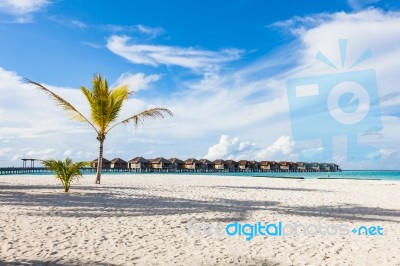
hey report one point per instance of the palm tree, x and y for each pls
(65, 171)
(105, 106)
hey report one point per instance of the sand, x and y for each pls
(144, 220)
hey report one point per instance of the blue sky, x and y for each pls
(220, 66)
(61, 35)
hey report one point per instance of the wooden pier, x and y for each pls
(23, 170)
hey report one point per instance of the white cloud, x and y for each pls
(22, 9)
(137, 81)
(141, 29)
(360, 4)
(69, 23)
(232, 148)
(282, 147)
(68, 153)
(15, 158)
(40, 152)
(93, 45)
(152, 32)
(85, 155)
(155, 55)
(223, 149)
(5, 151)
(145, 140)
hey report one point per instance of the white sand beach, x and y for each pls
(143, 220)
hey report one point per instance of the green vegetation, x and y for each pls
(66, 171)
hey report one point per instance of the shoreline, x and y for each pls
(347, 175)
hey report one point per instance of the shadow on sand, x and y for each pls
(93, 201)
(99, 202)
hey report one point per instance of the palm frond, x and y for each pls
(141, 117)
(92, 103)
(72, 111)
(116, 99)
(99, 101)
(105, 104)
(66, 171)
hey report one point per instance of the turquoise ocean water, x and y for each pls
(372, 175)
(348, 174)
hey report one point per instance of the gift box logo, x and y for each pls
(345, 103)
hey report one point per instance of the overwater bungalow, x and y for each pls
(254, 165)
(118, 163)
(324, 167)
(139, 164)
(301, 167)
(244, 165)
(267, 166)
(315, 167)
(192, 164)
(206, 165)
(220, 165)
(106, 164)
(176, 164)
(274, 166)
(284, 166)
(232, 165)
(334, 167)
(160, 163)
(293, 167)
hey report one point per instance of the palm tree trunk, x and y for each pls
(100, 159)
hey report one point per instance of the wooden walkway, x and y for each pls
(23, 170)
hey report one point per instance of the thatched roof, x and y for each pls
(243, 162)
(139, 160)
(219, 161)
(205, 161)
(176, 160)
(160, 160)
(230, 162)
(118, 161)
(263, 163)
(104, 160)
(191, 161)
